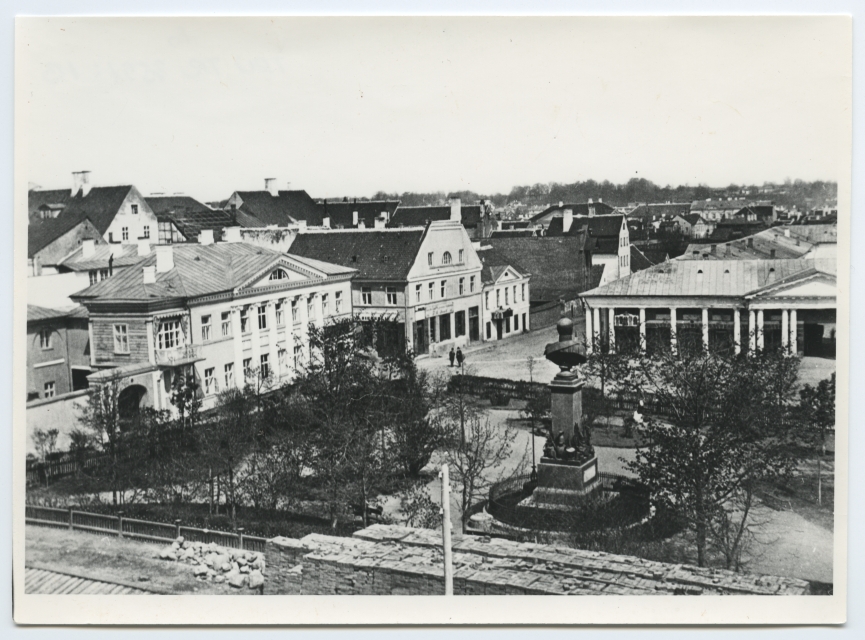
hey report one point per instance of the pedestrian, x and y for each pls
(451, 356)
(459, 357)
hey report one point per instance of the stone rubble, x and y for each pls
(212, 563)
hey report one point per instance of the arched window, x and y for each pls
(278, 274)
(446, 257)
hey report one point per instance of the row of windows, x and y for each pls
(506, 328)
(624, 260)
(212, 380)
(507, 291)
(124, 233)
(447, 258)
(97, 275)
(391, 292)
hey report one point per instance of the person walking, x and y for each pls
(459, 357)
(451, 356)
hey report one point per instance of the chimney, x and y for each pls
(80, 182)
(361, 225)
(567, 220)
(379, 223)
(231, 234)
(561, 204)
(786, 233)
(456, 210)
(354, 218)
(772, 254)
(600, 200)
(325, 222)
(206, 236)
(88, 248)
(149, 274)
(270, 186)
(143, 248)
(164, 258)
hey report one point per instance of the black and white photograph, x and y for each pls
(431, 306)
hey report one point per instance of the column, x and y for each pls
(271, 339)
(612, 328)
(705, 328)
(596, 325)
(760, 329)
(254, 336)
(590, 334)
(673, 327)
(737, 331)
(752, 332)
(237, 339)
(785, 328)
(642, 330)
(794, 335)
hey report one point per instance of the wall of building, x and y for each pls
(102, 331)
(53, 290)
(134, 222)
(67, 243)
(58, 413)
(501, 295)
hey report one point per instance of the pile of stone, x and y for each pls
(212, 563)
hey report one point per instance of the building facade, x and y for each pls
(506, 302)
(58, 352)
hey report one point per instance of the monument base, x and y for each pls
(563, 483)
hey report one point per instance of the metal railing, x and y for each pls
(177, 355)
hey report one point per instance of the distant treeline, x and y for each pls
(803, 195)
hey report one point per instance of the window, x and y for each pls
(146, 231)
(444, 284)
(462, 285)
(298, 355)
(337, 297)
(45, 338)
(523, 286)
(506, 296)
(417, 293)
(391, 295)
(205, 328)
(445, 326)
(487, 299)
(226, 324)
(516, 323)
(430, 290)
(50, 389)
(294, 310)
(110, 236)
(264, 371)
(124, 232)
(282, 356)
(229, 375)
(211, 385)
(429, 258)
(498, 297)
(366, 295)
(507, 325)
(247, 367)
(515, 294)
(103, 274)
(244, 320)
(459, 324)
(446, 257)
(471, 284)
(325, 309)
(280, 313)
(134, 208)
(278, 274)
(262, 317)
(461, 255)
(310, 309)
(169, 335)
(94, 276)
(121, 338)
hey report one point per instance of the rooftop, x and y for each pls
(282, 209)
(579, 209)
(471, 215)
(600, 226)
(40, 314)
(43, 233)
(341, 213)
(101, 205)
(124, 255)
(189, 215)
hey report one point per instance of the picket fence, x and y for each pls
(137, 529)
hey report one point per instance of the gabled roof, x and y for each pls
(713, 278)
(640, 260)
(199, 270)
(47, 198)
(42, 234)
(495, 264)
(40, 314)
(101, 205)
(579, 209)
(125, 255)
(377, 254)
(341, 213)
(605, 226)
(663, 210)
(281, 210)
(189, 215)
(558, 264)
(471, 215)
(692, 218)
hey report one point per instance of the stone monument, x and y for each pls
(568, 470)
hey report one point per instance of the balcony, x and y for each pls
(177, 356)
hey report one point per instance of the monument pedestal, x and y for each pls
(565, 483)
(566, 403)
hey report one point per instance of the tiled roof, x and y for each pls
(606, 226)
(37, 314)
(281, 210)
(495, 263)
(579, 209)
(124, 255)
(471, 215)
(36, 199)
(43, 233)
(558, 265)
(189, 215)
(101, 205)
(341, 213)
(199, 270)
(692, 218)
(640, 260)
(733, 278)
(379, 254)
(663, 210)
(513, 233)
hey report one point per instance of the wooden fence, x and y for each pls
(66, 465)
(137, 529)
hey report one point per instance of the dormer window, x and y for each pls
(446, 257)
(134, 208)
(278, 274)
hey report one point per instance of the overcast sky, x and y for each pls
(350, 106)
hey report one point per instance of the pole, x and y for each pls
(446, 531)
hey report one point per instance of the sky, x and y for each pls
(350, 106)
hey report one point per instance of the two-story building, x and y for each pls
(58, 356)
(506, 296)
(426, 279)
(221, 312)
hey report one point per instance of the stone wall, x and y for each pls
(391, 560)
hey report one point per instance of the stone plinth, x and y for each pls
(566, 406)
(565, 484)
